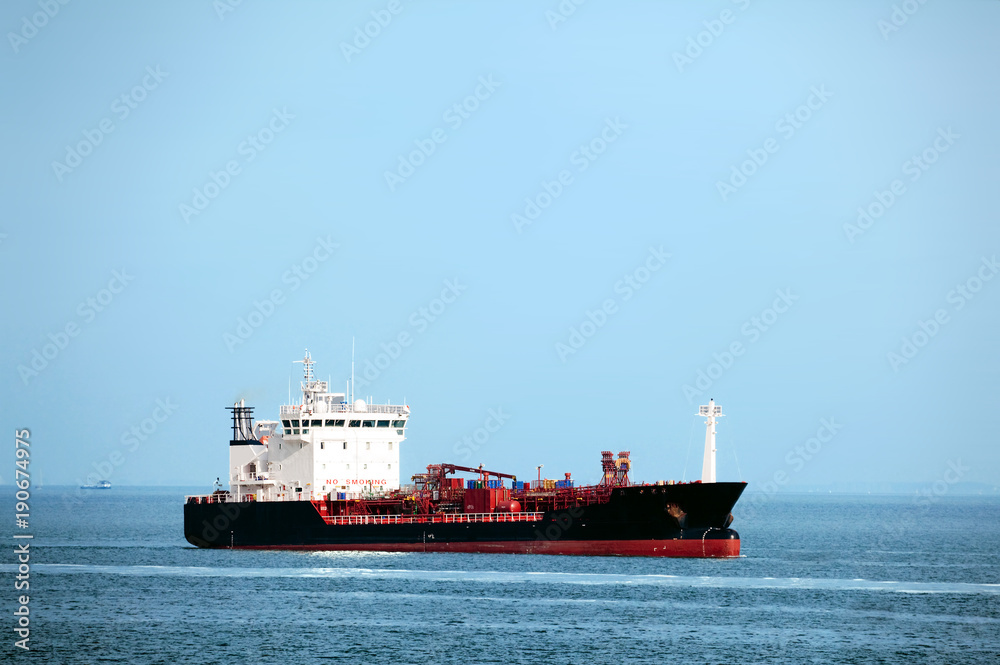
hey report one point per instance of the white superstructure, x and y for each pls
(324, 447)
(708, 465)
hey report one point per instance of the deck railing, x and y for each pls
(458, 518)
(296, 409)
(211, 498)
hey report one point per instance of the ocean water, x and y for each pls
(846, 579)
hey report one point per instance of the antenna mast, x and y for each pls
(708, 466)
(308, 379)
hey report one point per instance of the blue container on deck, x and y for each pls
(470, 484)
(341, 495)
(494, 484)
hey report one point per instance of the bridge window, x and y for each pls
(295, 431)
(334, 423)
(383, 423)
(368, 423)
(322, 446)
(295, 423)
(317, 423)
(345, 445)
(355, 423)
(287, 424)
(399, 423)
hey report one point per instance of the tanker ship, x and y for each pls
(326, 476)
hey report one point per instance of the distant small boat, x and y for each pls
(103, 485)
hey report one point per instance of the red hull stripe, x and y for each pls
(669, 548)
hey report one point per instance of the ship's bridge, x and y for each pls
(296, 420)
(325, 447)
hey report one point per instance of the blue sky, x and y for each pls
(697, 168)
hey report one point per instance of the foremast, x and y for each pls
(711, 411)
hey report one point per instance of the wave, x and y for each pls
(526, 577)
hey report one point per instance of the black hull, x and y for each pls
(633, 521)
